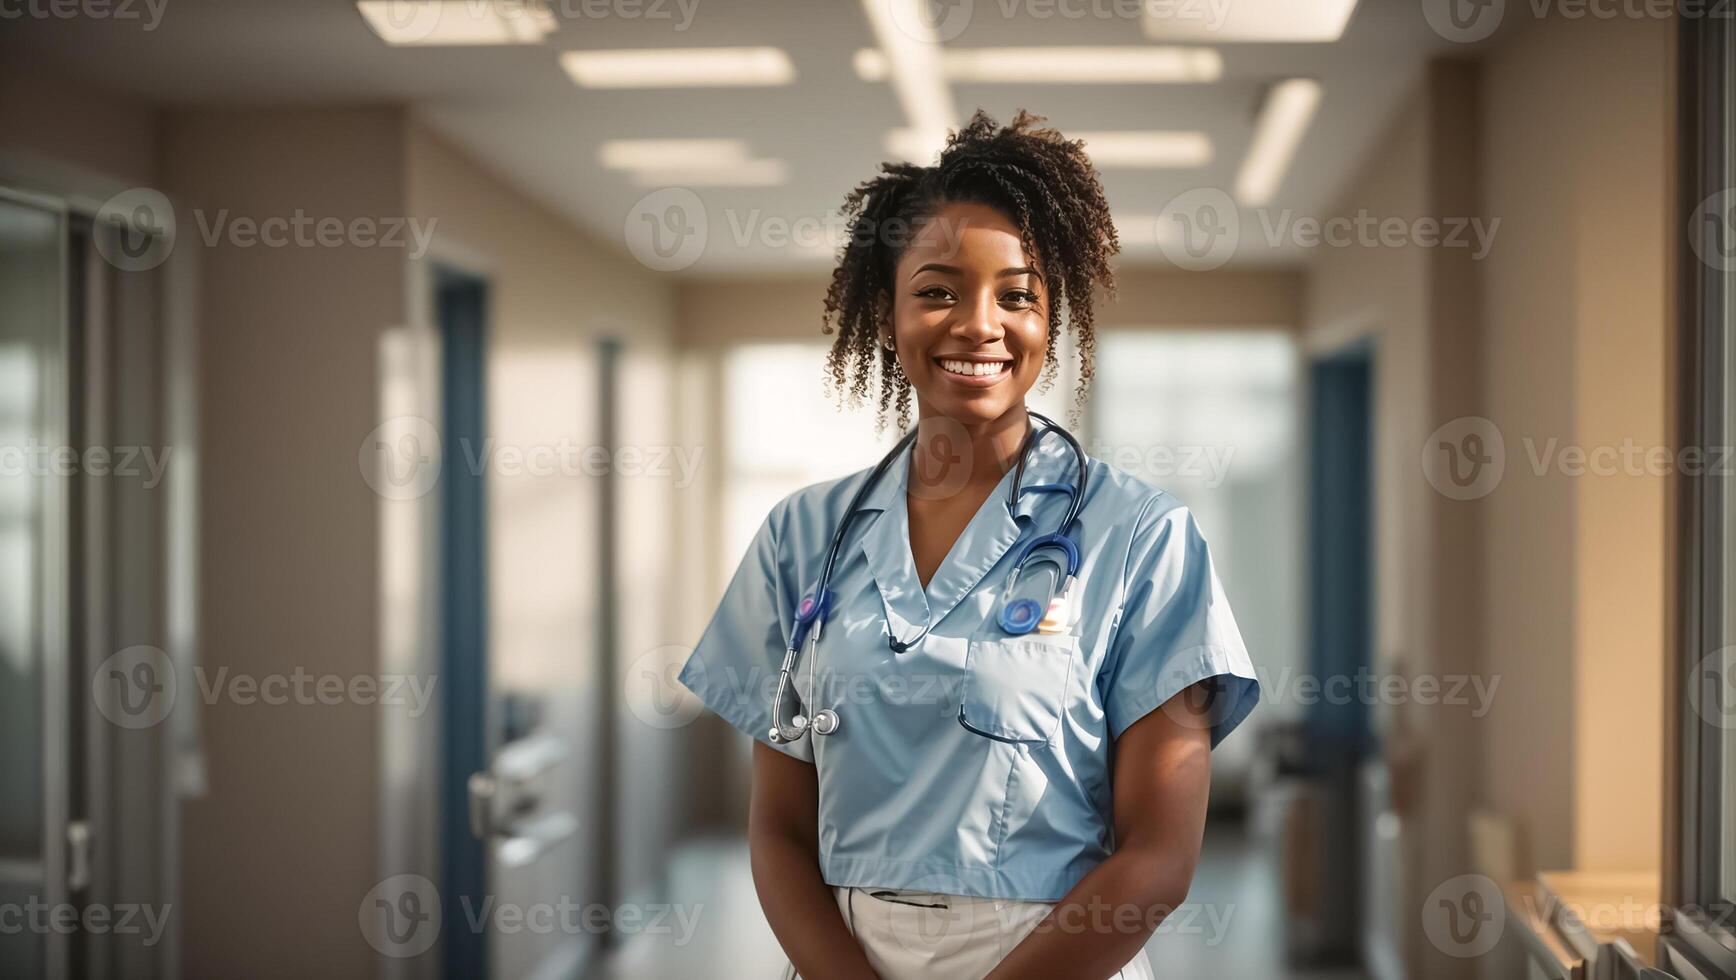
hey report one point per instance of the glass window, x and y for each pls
(1211, 417)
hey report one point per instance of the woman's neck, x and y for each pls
(952, 455)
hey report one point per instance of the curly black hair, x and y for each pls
(1040, 180)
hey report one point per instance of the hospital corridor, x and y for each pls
(655, 489)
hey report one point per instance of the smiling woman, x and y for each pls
(1028, 657)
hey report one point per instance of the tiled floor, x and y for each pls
(1231, 926)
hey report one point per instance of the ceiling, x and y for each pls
(513, 109)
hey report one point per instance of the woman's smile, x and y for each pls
(974, 370)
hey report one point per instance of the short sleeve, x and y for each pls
(734, 669)
(1175, 628)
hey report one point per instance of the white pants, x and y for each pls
(909, 934)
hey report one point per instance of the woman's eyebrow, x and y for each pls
(1014, 270)
(934, 267)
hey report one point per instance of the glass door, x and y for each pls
(33, 553)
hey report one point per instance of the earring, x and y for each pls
(889, 344)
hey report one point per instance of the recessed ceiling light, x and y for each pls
(679, 67)
(1248, 20)
(456, 22)
(668, 154)
(1284, 117)
(1064, 66)
(747, 173)
(1147, 149)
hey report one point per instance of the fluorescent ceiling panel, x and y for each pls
(1063, 66)
(432, 23)
(667, 154)
(1147, 149)
(904, 31)
(748, 173)
(1230, 21)
(1284, 118)
(679, 67)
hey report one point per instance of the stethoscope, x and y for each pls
(1018, 615)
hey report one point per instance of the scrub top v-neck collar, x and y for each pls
(992, 531)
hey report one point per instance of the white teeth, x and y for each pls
(974, 368)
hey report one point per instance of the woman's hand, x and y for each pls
(1162, 776)
(783, 838)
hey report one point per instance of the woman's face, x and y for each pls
(969, 315)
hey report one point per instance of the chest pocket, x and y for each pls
(1015, 687)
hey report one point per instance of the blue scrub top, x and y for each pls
(974, 763)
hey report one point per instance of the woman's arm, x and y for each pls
(783, 837)
(1162, 774)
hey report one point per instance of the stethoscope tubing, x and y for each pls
(812, 612)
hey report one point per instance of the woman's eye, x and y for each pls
(1023, 297)
(933, 292)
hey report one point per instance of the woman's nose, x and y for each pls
(978, 320)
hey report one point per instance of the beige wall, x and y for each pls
(59, 136)
(1577, 165)
(282, 846)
